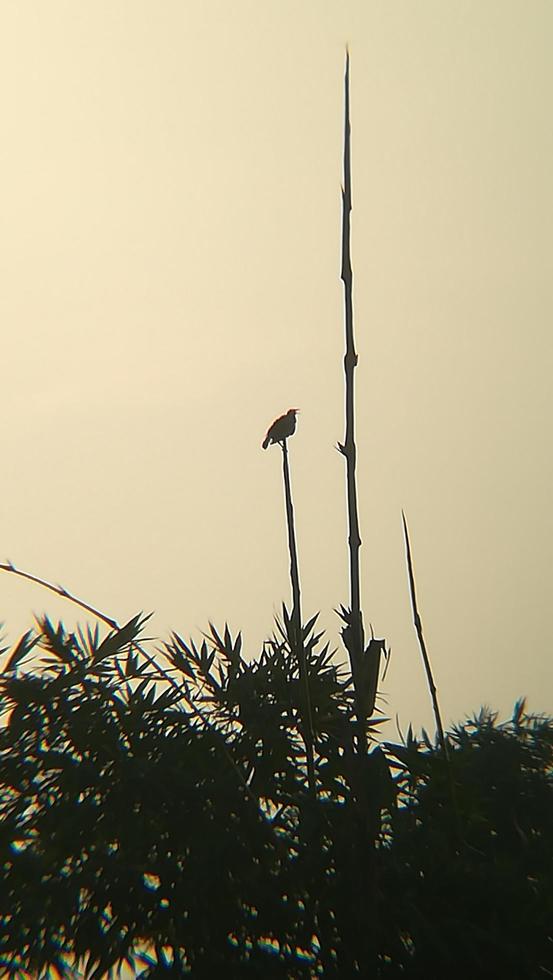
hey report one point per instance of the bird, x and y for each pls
(281, 428)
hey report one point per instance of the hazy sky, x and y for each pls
(169, 268)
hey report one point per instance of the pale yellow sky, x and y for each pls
(169, 261)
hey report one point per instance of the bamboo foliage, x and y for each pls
(128, 840)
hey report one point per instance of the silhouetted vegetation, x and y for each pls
(188, 809)
(174, 827)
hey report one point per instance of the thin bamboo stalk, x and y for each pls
(297, 619)
(353, 634)
(350, 363)
(420, 635)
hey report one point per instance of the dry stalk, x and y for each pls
(297, 632)
(420, 635)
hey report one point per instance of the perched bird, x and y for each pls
(281, 428)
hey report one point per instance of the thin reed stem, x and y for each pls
(418, 627)
(297, 632)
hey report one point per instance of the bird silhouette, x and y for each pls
(281, 428)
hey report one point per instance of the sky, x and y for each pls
(169, 261)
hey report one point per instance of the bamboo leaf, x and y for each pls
(23, 648)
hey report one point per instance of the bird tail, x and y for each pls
(265, 443)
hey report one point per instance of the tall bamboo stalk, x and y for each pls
(350, 363)
(364, 664)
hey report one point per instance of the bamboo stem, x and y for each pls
(354, 637)
(350, 363)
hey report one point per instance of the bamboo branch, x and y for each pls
(8, 566)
